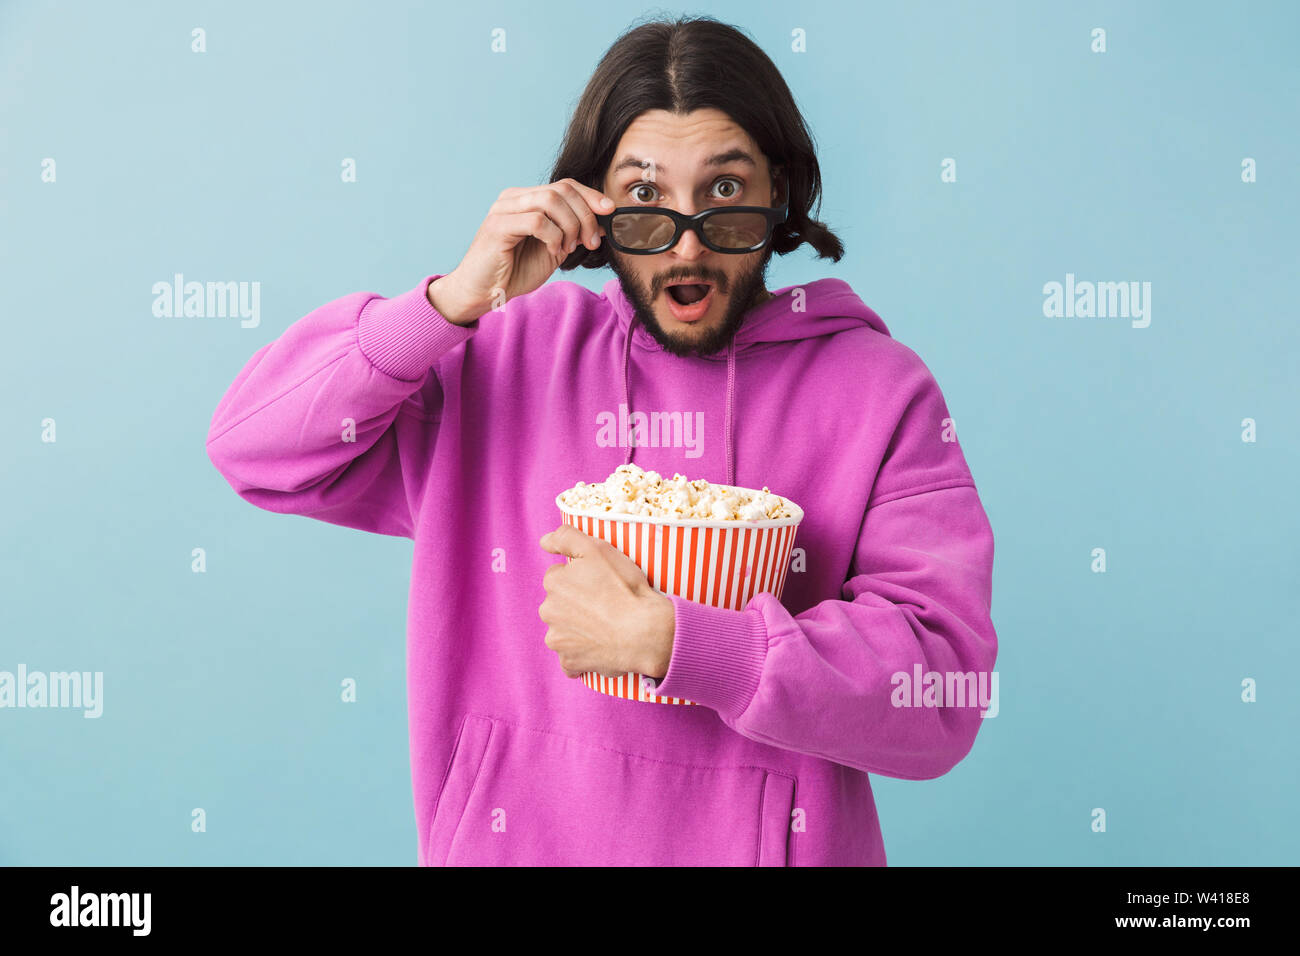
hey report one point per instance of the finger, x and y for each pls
(521, 225)
(596, 199)
(566, 540)
(547, 200)
(582, 207)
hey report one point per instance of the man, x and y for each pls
(477, 398)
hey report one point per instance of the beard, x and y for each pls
(743, 293)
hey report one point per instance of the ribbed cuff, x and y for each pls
(405, 335)
(717, 656)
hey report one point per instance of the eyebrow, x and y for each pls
(718, 159)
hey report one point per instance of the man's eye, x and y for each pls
(636, 192)
(733, 191)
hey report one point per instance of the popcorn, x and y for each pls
(631, 491)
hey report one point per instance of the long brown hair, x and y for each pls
(680, 66)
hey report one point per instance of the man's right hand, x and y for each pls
(528, 232)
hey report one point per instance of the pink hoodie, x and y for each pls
(463, 438)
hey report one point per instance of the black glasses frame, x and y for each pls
(775, 215)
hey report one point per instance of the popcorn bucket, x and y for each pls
(721, 563)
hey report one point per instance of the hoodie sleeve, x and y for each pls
(917, 599)
(336, 419)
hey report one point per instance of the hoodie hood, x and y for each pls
(822, 307)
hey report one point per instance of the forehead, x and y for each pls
(681, 144)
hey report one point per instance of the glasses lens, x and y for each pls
(736, 230)
(642, 230)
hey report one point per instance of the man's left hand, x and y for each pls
(602, 615)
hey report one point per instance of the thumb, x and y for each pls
(566, 540)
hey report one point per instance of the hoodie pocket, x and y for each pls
(466, 759)
(515, 796)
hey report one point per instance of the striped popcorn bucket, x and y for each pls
(722, 563)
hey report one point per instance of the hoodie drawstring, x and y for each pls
(728, 423)
(627, 395)
(731, 393)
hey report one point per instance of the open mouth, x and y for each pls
(689, 301)
(688, 293)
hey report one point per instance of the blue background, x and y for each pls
(1118, 690)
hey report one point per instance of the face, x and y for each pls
(689, 163)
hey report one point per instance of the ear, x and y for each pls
(778, 185)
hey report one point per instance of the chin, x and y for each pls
(692, 329)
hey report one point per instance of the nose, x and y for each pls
(688, 248)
